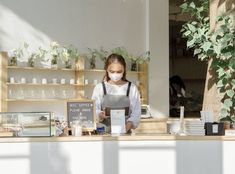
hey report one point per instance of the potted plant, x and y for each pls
(91, 56)
(135, 61)
(13, 61)
(40, 55)
(101, 54)
(216, 46)
(55, 53)
(31, 60)
(72, 54)
(121, 51)
(17, 54)
(66, 57)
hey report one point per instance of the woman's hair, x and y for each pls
(177, 80)
(111, 59)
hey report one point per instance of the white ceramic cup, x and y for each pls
(72, 81)
(12, 80)
(34, 80)
(44, 81)
(23, 80)
(62, 81)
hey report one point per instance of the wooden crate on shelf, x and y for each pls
(152, 125)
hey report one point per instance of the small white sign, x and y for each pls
(118, 125)
(215, 128)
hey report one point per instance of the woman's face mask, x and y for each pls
(115, 71)
(115, 76)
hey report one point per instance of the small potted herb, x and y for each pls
(31, 60)
(55, 53)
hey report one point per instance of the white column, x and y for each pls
(157, 41)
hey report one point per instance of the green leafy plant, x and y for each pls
(55, 53)
(19, 53)
(135, 60)
(41, 54)
(217, 45)
(123, 52)
(91, 56)
(101, 54)
(31, 60)
(73, 52)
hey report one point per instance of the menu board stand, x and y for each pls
(84, 112)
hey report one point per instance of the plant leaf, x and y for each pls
(230, 93)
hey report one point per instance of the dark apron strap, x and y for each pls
(128, 89)
(104, 88)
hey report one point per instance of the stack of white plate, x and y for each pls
(194, 127)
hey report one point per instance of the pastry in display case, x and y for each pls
(26, 124)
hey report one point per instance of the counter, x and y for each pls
(136, 137)
(137, 154)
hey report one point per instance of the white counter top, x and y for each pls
(139, 137)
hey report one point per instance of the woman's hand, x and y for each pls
(129, 126)
(102, 116)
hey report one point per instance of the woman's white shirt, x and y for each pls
(134, 96)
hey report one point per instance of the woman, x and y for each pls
(117, 92)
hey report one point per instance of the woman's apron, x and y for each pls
(115, 102)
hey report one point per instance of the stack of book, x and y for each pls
(194, 127)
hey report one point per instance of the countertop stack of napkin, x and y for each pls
(194, 127)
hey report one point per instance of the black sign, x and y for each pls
(83, 111)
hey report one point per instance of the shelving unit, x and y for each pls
(78, 90)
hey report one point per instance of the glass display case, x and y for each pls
(26, 124)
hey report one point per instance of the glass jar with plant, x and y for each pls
(72, 54)
(215, 46)
(13, 61)
(91, 56)
(101, 54)
(136, 61)
(54, 61)
(40, 55)
(121, 51)
(17, 54)
(31, 60)
(55, 53)
(66, 58)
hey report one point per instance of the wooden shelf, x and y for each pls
(39, 68)
(49, 84)
(45, 100)
(103, 71)
(64, 69)
(38, 100)
(92, 70)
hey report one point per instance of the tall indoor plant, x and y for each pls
(216, 46)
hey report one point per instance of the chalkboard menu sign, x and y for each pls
(83, 111)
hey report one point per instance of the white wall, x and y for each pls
(89, 23)
(92, 23)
